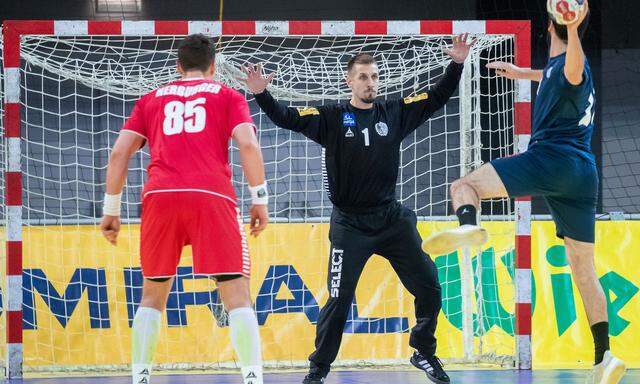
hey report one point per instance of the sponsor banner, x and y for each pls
(80, 295)
(561, 336)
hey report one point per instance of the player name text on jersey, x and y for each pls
(186, 91)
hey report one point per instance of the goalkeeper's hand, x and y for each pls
(110, 227)
(255, 81)
(460, 48)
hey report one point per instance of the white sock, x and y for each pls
(245, 338)
(144, 340)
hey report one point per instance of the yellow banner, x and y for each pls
(80, 295)
(561, 334)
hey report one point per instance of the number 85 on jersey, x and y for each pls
(189, 116)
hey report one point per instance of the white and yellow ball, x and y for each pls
(565, 11)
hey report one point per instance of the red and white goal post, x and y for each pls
(69, 85)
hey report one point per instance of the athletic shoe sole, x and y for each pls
(614, 372)
(448, 241)
(312, 381)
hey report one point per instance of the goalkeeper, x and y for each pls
(362, 138)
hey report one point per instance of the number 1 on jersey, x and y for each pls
(366, 136)
(190, 116)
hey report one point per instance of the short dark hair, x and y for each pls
(561, 30)
(196, 52)
(360, 58)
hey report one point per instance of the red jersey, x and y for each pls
(188, 124)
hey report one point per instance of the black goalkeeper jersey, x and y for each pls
(362, 146)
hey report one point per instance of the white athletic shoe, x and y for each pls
(448, 241)
(609, 371)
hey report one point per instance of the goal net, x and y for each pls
(80, 294)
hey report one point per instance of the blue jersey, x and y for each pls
(563, 113)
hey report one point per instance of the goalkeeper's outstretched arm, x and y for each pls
(447, 85)
(307, 121)
(417, 109)
(440, 94)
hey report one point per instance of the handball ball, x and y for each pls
(565, 11)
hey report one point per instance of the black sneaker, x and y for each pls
(313, 378)
(432, 366)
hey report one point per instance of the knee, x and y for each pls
(432, 296)
(235, 293)
(578, 255)
(154, 301)
(436, 291)
(573, 258)
(335, 311)
(582, 265)
(429, 297)
(340, 300)
(428, 291)
(456, 186)
(237, 301)
(341, 296)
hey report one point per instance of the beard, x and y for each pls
(368, 100)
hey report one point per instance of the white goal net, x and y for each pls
(80, 294)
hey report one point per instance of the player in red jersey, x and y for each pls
(189, 200)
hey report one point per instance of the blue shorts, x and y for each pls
(567, 181)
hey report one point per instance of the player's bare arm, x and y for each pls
(126, 145)
(513, 72)
(252, 165)
(574, 64)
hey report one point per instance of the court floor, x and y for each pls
(357, 377)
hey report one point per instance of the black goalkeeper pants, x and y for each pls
(391, 232)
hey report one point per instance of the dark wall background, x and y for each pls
(612, 45)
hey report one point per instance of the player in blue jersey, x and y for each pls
(559, 166)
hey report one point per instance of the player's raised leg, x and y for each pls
(466, 194)
(580, 255)
(245, 336)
